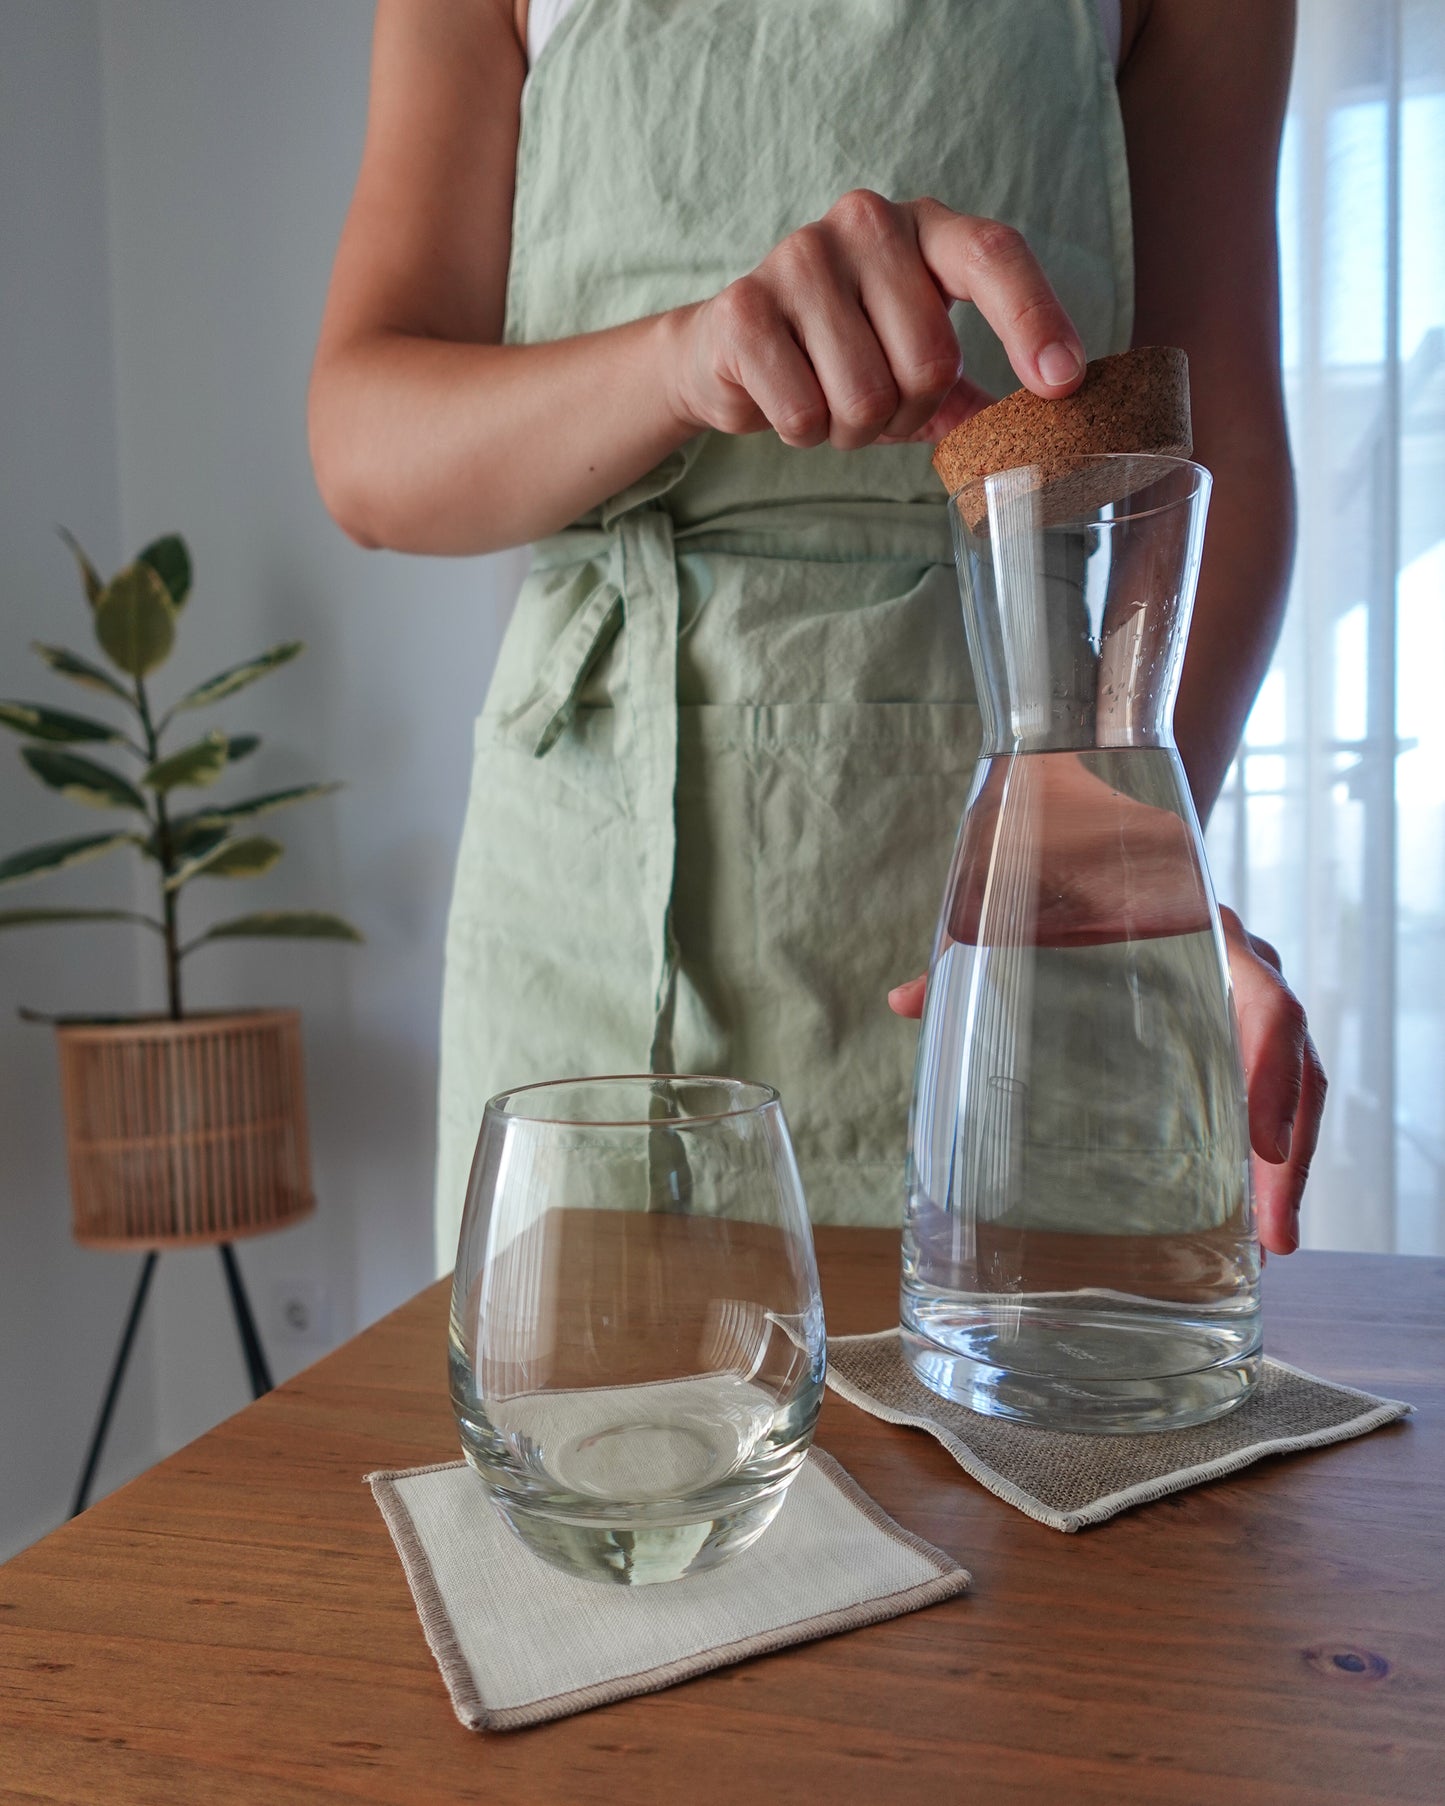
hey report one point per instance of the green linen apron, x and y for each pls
(718, 775)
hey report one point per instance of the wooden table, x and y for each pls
(234, 1626)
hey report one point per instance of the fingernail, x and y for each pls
(1059, 363)
(1284, 1140)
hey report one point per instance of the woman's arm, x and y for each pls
(419, 417)
(1203, 91)
(429, 435)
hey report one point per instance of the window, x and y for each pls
(1330, 835)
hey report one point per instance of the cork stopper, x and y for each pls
(1137, 401)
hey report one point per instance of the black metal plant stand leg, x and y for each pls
(250, 1341)
(117, 1374)
(256, 1367)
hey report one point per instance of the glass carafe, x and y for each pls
(1079, 1246)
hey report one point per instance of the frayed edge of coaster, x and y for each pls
(1386, 1410)
(950, 1579)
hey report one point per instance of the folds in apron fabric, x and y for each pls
(719, 772)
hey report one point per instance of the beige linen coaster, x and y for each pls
(519, 1642)
(1069, 1482)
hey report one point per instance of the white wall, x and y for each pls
(60, 1309)
(231, 136)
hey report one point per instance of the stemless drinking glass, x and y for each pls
(636, 1346)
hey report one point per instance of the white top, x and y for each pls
(544, 16)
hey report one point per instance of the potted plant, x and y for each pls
(180, 1129)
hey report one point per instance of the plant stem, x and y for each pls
(168, 864)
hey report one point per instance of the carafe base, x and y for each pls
(1084, 1368)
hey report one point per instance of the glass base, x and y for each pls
(1201, 1370)
(645, 1552)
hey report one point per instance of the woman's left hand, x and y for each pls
(1283, 1075)
(1285, 1080)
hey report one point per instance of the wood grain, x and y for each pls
(234, 1626)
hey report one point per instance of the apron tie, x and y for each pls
(537, 723)
(625, 576)
(638, 590)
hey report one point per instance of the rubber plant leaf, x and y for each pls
(81, 671)
(38, 723)
(197, 765)
(170, 559)
(83, 779)
(251, 806)
(135, 620)
(36, 918)
(89, 576)
(53, 855)
(230, 858)
(279, 924)
(226, 683)
(189, 838)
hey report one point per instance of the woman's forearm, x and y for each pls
(1243, 587)
(422, 445)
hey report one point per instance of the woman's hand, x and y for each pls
(1284, 1078)
(842, 331)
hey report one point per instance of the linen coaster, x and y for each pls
(1068, 1481)
(519, 1642)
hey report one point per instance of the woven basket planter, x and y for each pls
(185, 1132)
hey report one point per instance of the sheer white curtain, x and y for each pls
(1330, 836)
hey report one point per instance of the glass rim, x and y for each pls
(764, 1097)
(1168, 464)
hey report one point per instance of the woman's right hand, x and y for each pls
(841, 334)
(429, 434)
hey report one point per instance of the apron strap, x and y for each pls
(651, 605)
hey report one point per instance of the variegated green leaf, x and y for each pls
(135, 621)
(191, 852)
(251, 806)
(287, 924)
(199, 764)
(241, 746)
(170, 559)
(39, 723)
(226, 683)
(53, 855)
(229, 858)
(89, 576)
(81, 671)
(38, 918)
(188, 838)
(83, 779)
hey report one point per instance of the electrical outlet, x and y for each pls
(300, 1310)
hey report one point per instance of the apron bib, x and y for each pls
(718, 775)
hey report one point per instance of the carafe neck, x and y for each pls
(1077, 626)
